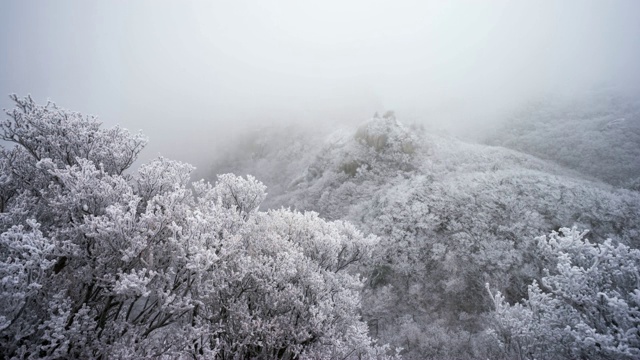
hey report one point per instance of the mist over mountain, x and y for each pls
(329, 179)
(190, 74)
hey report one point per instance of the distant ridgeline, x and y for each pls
(598, 136)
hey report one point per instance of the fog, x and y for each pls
(190, 74)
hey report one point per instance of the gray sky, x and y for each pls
(186, 72)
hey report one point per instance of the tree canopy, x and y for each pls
(100, 261)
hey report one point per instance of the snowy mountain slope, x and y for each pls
(598, 135)
(451, 216)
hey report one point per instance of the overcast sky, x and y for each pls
(185, 72)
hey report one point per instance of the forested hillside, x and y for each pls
(451, 217)
(380, 241)
(597, 134)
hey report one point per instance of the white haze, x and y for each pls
(191, 74)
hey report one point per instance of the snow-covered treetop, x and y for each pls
(47, 131)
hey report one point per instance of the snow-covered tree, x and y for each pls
(65, 136)
(96, 261)
(587, 307)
